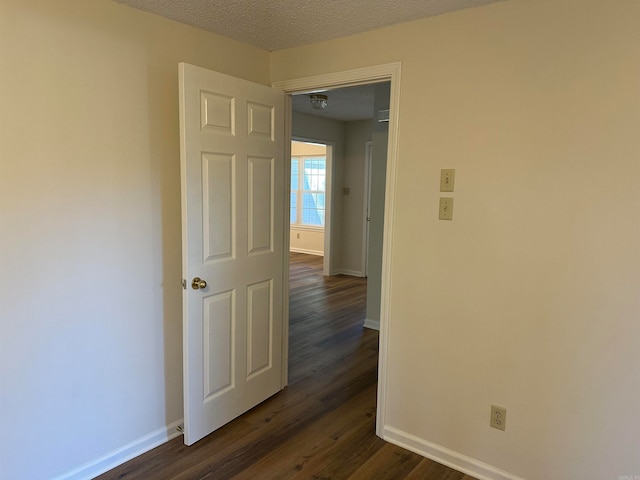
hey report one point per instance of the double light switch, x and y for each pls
(447, 178)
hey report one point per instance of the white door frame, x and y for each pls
(367, 206)
(380, 73)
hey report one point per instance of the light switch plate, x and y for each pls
(446, 208)
(447, 178)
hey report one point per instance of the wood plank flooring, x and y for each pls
(322, 426)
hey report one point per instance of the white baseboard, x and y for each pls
(308, 252)
(462, 463)
(123, 454)
(341, 271)
(351, 273)
(372, 324)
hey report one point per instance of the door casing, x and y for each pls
(380, 73)
(367, 207)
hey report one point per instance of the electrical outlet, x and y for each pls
(498, 417)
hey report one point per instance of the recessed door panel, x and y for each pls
(217, 113)
(261, 190)
(261, 118)
(218, 343)
(259, 327)
(218, 196)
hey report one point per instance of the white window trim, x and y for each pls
(310, 228)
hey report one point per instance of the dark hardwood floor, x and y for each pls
(322, 426)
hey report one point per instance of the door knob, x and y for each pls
(197, 283)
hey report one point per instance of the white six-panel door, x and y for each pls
(232, 168)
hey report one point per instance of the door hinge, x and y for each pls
(184, 284)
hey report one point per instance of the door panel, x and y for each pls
(218, 195)
(218, 341)
(232, 168)
(261, 189)
(260, 323)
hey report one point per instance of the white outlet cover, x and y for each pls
(498, 417)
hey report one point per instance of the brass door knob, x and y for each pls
(197, 283)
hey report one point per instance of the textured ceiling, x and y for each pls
(346, 104)
(277, 24)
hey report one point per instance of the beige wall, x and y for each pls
(303, 148)
(529, 298)
(357, 133)
(90, 298)
(306, 240)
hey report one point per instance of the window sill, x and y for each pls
(310, 228)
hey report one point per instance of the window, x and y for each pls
(308, 178)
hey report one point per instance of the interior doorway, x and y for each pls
(349, 118)
(348, 126)
(382, 73)
(307, 197)
(310, 194)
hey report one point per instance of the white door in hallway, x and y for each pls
(233, 199)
